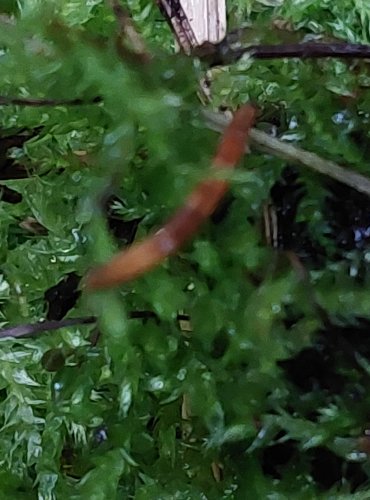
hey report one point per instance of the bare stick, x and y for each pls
(293, 154)
(24, 101)
(32, 329)
(225, 53)
(176, 17)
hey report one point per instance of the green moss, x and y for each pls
(218, 407)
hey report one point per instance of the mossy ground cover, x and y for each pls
(227, 372)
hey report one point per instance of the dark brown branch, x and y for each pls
(24, 101)
(32, 329)
(224, 53)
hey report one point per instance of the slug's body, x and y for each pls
(200, 204)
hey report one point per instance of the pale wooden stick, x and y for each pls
(195, 22)
(293, 154)
(207, 19)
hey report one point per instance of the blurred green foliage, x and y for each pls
(151, 411)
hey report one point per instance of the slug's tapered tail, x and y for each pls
(200, 204)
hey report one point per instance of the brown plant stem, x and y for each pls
(25, 101)
(223, 53)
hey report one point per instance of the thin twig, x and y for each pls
(32, 329)
(24, 101)
(224, 53)
(293, 154)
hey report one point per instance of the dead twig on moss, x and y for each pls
(224, 53)
(32, 329)
(36, 103)
(293, 154)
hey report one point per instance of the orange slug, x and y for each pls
(143, 256)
